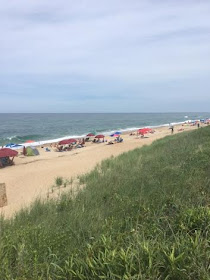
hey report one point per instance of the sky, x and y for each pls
(104, 56)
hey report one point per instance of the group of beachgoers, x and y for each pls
(81, 143)
(6, 161)
(68, 147)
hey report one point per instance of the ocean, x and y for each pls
(46, 128)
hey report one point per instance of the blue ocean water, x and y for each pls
(17, 128)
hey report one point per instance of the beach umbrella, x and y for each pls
(12, 145)
(67, 141)
(90, 134)
(115, 135)
(6, 152)
(99, 136)
(9, 145)
(143, 131)
(118, 132)
(29, 141)
(147, 129)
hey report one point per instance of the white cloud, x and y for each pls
(127, 42)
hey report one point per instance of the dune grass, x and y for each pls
(142, 215)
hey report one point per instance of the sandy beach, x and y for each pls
(33, 177)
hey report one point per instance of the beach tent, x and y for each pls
(90, 135)
(31, 151)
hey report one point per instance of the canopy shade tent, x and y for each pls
(6, 152)
(67, 141)
(90, 135)
(99, 136)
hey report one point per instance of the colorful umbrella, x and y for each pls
(5, 152)
(29, 141)
(115, 135)
(12, 145)
(145, 130)
(90, 135)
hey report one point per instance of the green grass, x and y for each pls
(142, 215)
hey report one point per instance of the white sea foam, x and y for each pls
(11, 137)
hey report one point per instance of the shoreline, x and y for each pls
(106, 133)
(32, 177)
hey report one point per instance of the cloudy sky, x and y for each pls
(104, 56)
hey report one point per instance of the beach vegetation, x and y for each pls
(59, 181)
(142, 215)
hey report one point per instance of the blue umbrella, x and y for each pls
(116, 133)
(12, 145)
(9, 145)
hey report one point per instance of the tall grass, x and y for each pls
(142, 215)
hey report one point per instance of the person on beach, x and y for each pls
(172, 128)
(198, 124)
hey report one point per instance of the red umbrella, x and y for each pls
(6, 152)
(90, 134)
(100, 136)
(143, 131)
(67, 141)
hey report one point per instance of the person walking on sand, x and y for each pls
(172, 128)
(198, 124)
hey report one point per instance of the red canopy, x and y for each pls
(6, 152)
(90, 134)
(67, 141)
(100, 136)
